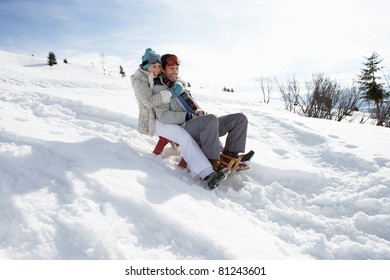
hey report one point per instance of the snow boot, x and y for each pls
(248, 156)
(215, 178)
(245, 157)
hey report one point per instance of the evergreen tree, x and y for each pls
(51, 59)
(121, 71)
(371, 87)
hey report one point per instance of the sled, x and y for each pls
(232, 164)
(162, 142)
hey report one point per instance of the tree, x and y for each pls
(51, 59)
(348, 103)
(369, 83)
(266, 88)
(121, 71)
(323, 96)
(290, 94)
(103, 61)
(227, 89)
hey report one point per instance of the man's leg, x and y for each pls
(204, 130)
(236, 126)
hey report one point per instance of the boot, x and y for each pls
(214, 179)
(246, 157)
(216, 165)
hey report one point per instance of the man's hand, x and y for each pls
(200, 113)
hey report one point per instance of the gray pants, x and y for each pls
(207, 129)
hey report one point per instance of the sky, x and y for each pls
(230, 43)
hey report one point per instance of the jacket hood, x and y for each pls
(144, 75)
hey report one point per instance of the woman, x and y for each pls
(142, 81)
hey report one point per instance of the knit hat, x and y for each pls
(169, 60)
(149, 58)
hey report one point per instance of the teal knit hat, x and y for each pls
(149, 58)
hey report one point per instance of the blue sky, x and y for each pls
(226, 42)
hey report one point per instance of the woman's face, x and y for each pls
(155, 69)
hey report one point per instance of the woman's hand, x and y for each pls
(176, 89)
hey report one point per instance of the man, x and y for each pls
(204, 128)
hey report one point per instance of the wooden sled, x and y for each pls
(232, 164)
(162, 142)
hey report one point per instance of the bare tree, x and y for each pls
(324, 98)
(350, 100)
(266, 88)
(323, 95)
(103, 61)
(290, 94)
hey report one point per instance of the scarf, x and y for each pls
(185, 98)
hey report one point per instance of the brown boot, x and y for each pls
(216, 165)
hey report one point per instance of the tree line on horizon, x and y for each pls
(325, 98)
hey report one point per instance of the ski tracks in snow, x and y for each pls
(304, 204)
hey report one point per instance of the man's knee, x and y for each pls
(241, 118)
(211, 120)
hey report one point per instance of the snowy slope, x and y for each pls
(77, 181)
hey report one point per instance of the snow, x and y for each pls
(78, 181)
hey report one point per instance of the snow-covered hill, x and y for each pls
(77, 181)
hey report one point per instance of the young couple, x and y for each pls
(167, 109)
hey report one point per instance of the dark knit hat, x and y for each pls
(169, 60)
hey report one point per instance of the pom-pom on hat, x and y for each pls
(149, 58)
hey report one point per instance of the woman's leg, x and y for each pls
(190, 150)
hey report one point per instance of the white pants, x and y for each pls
(197, 162)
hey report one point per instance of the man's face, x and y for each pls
(171, 72)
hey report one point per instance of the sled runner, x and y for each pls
(162, 142)
(230, 163)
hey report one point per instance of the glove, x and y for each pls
(176, 89)
(190, 116)
(166, 96)
(200, 113)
